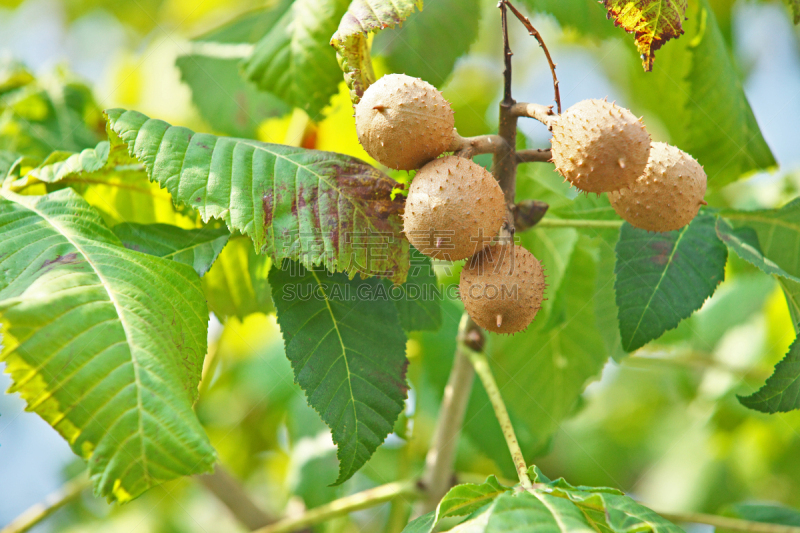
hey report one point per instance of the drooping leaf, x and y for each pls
(237, 284)
(553, 247)
(447, 26)
(653, 23)
(745, 242)
(663, 278)
(307, 205)
(197, 248)
(351, 38)
(224, 98)
(419, 304)
(348, 355)
(722, 133)
(105, 343)
(781, 392)
(294, 59)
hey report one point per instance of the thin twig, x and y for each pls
(528, 26)
(507, 53)
(481, 365)
(482, 144)
(438, 476)
(53, 502)
(346, 505)
(230, 492)
(548, 222)
(542, 113)
(536, 155)
(732, 524)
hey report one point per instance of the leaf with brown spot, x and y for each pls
(653, 23)
(319, 208)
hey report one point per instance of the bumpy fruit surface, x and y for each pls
(454, 209)
(502, 288)
(599, 146)
(669, 193)
(404, 122)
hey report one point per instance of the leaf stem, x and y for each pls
(728, 523)
(439, 462)
(53, 502)
(481, 365)
(549, 222)
(346, 505)
(528, 26)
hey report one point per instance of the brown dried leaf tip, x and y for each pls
(653, 22)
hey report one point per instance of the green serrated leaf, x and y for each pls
(537, 512)
(663, 278)
(348, 355)
(781, 392)
(467, 498)
(307, 205)
(197, 248)
(447, 26)
(294, 59)
(105, 343)
(237, 284)
(723, 134)
(420, 304)
(351, 38)
(745, 242)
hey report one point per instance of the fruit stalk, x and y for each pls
(481, 366)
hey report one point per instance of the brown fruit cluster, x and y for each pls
(455, 209)
(600, 147)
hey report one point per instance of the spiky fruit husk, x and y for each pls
(454, 209)
(502, 288)
(599, 146)
(404, 122)
(669, 193)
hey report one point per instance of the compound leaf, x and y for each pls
(653, 23)
(663, 278)
(197, 248)
(307, 205)
(105, 343)
(348, 354)
(351, 37)
(294, 59)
